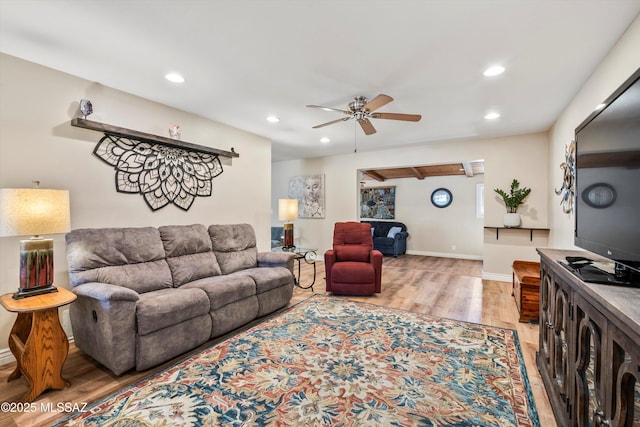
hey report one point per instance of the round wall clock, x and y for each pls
(441, 198)
(599, 195)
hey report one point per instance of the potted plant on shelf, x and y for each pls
(512, 200)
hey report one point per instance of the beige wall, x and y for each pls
(534, 159)
(38, 143)
(523, 157)
(620, 63)
(431, 231)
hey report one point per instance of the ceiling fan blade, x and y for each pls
(377, 102)
(397, 116)
(344, 119)
(367, 127)
(329, 109)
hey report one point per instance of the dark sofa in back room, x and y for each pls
(393, 244)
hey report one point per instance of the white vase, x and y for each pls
(512, 220)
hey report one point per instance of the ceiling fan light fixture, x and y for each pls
(494, 70)
(492, 115)
(325, 140)
(273, 119)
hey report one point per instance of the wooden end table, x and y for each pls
(37, 340)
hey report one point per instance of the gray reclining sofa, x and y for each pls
(146, 295)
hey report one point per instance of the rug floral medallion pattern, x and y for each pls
(333, 362)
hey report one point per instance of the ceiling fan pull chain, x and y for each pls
(355, 137)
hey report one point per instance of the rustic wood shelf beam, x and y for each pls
(147, 137)
(530, 229)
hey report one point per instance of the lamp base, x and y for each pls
(36, 263)
(32, 292)
(288, 237)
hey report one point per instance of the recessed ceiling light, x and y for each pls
(174, 77)
(599, 107)
(494, 70)
(273, 119)
(325, 140)
(492, 115)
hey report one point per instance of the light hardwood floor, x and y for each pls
(444, 287)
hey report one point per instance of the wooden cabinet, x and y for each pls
(589, 354)
(526, 289)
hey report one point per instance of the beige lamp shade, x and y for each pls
(33, 211)
(287, 209)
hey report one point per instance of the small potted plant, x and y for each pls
(512, 200)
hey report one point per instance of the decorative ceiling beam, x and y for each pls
(416, 173)
(468, 169)
(375, 175)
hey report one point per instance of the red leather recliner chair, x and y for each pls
(353, 267)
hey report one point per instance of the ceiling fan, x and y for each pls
(362, 110)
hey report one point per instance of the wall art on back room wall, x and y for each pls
(309, 190)
(378, 202)
(161, 174)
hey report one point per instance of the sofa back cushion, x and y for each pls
(129, 257)
(352, 241)
(234, 246)
(189, 253)
(382, 228)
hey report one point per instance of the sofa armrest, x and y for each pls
(106, 292)
(329, 261)
(376, 261)
(276, 259)
(401, 235)
(103, 319)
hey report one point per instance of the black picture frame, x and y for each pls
(441, 198)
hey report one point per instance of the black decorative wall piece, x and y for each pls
(162, 170)
(162, 174)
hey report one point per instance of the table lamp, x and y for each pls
(32, 212)
(288, 211)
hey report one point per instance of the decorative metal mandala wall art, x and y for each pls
(567, 190)
(160, 173)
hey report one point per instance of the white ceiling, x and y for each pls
(244, 60)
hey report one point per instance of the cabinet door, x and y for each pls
(590, 365)
(553, 356)
(623, 405)
(560, 320)
(546, 297)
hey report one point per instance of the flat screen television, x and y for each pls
(607, 187)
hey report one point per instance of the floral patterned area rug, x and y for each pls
(329, 361)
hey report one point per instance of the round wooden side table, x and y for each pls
(38, 341)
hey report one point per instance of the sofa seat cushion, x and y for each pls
(223, 290)
(267, 279)
(159, 309)
(353, 272)
(383, 241)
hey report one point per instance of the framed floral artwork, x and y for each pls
(378, 203)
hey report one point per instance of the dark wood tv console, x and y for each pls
(589, 354)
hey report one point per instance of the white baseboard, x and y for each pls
(497, 277)
(7, 357)
(446, 255)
